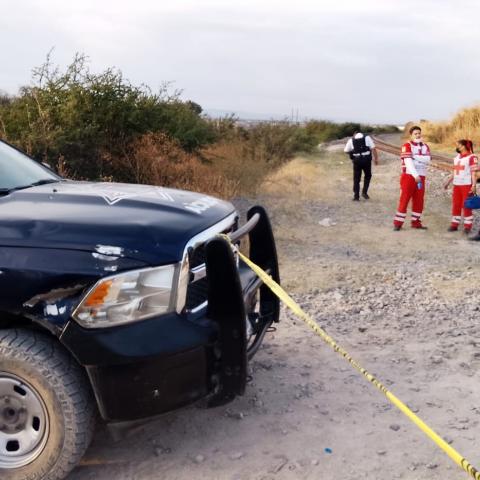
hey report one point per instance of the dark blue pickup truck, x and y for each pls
(120, 301)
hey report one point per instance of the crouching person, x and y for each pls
(465, 165)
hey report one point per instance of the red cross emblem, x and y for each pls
(458, 169)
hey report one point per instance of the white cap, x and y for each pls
(358, 135)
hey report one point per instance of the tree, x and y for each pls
(79, 116)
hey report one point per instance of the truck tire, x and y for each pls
(47, 413)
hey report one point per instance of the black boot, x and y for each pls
(475, 238)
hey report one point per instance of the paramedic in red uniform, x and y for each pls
(415, 159)
(464, 168)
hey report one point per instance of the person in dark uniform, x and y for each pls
(361, 149)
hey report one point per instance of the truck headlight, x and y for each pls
(128, 297)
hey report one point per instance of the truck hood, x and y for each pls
(151, 224)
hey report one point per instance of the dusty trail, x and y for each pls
(403, 303)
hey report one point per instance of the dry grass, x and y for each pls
(236, 165)
(157, 160)
(234, 161)
(465, 124)
(305, 177)
(248, 160)
(291, 192)
(294, 177)
(288, 188)
(225, 169)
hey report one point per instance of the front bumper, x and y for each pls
(160, 364)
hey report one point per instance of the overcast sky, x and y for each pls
(369, 60)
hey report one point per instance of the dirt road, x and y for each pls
(403, 303)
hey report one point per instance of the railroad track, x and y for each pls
(440, 162)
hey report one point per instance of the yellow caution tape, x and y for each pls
(297, 310)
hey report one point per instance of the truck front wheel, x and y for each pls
(47, 414)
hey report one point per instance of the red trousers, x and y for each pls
(409, 191)
(460, 194)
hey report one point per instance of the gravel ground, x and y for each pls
(402, 303)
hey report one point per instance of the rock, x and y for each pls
(283, 460)
(326, 222)
(436, 359)
(337, 296)
(362, 329)
(432, 466)
(235, 415)
(199, 458)
(395, 427)
(381, 452)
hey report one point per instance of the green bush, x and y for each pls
(78, 115)
(100, 126)
(278, 140)
(325, 131)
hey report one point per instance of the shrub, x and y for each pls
(100, 126)
(325, 131)
(156, 159)
(79, 115)
(247, 154)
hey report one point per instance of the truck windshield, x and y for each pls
(18, 171)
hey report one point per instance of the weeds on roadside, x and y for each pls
(98, 126)
(465, 124)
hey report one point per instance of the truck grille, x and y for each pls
(197, 294)
(197, 291)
